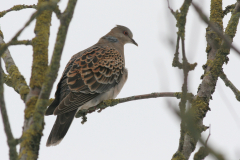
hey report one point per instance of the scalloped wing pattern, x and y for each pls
(96, 71)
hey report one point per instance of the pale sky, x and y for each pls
(137, 130)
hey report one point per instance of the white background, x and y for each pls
(138, 130)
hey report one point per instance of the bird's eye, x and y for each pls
(125, 33)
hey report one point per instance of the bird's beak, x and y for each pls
(134, 42)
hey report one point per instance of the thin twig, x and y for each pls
(204, 151)
(10, 140)
(228, 9)
(22, 42)
(57, 11)
(208, 135)
(171, 8)
(14, 79)
(229, 84)
(43, 7)
(6, 79)
(176, 62)
(113, 102)
(189, 118)
(17, 8)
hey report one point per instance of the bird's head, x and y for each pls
(123, 34)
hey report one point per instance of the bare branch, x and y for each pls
(57, 11)
(208, 135)
(35, 124)
(194, 131)
(228, 9)
(113, 102)
(176, 62)
(229, 84)
(171, 9)
(17, 8)
(10, 140)
(226, 39)
(41, 8)
(14, 79)
(217, 54)
(6, 79)
(184, 149)
(22, 42)
(55, 62)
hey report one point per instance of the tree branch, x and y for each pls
(217, 54)
(193, 130)
(174, 13)
(31, 137)
(6, 79)
(33, 130)
(203, 151)
(41, 8)
(10, 140)
(227, 40)
(22, 42)
(17, 8)
(229, 84)
(57, 11)
(184, 150)
(228, 9)
(176, 62)
(14, 79)
(113, 102)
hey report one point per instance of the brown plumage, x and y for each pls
(91, 76)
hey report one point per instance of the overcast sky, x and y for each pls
(137, 130)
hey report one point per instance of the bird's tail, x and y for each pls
(60, 128)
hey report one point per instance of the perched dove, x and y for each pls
(91, 76)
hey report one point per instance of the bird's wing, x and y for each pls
(96, 71)
(62, 87)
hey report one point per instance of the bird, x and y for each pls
(91, 76)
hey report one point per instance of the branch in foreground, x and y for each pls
(193, 130)
(113, 102)
(32, 133)
(229, 84)
(216, 58)
(17, 8)
(10, 140)
(14, 79)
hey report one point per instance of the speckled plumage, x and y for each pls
(91, 76)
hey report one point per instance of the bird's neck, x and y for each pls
(112, 41)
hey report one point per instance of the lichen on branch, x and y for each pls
(43, 79)
(17, 8)
(15, 79)
(113, 102)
